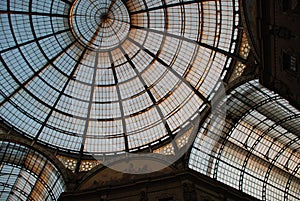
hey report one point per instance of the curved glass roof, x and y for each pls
(110, 76)
(257, 150)
(27, 175)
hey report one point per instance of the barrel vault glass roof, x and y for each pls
(257, 149)
(26, 174)
(114, 76)
(89, 76)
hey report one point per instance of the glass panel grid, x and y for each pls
(71, 76)
(27, 174)
(259, 153)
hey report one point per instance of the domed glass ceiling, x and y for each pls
(111, 76)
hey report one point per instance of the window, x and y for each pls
(289, 61)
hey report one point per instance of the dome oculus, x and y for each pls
(99, 25)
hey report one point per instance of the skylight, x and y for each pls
(110, 76)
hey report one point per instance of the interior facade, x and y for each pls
(163, 100)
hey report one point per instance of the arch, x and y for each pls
(28, 174)
(259, 144)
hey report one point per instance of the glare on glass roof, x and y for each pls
(110, 76)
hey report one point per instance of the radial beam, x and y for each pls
(93, 85)
(22, 85)
(12, 12)
(34, 40)
(165, 6)
(182, 38)
(60, 95)
(155, 57)
(120, 103)
(151, 96)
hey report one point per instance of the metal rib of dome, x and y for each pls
(111, 76)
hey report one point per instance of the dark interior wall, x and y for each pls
(179, 185)
(280, 42)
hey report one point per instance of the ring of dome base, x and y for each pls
(98, 28)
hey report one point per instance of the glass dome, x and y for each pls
(101, 77)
